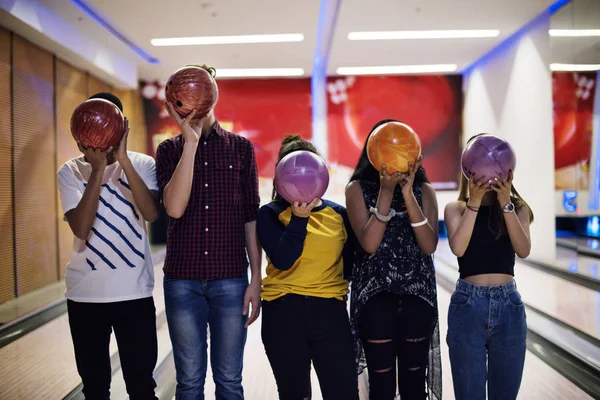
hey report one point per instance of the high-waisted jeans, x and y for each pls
(487, 340)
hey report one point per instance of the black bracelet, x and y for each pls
(474, 209)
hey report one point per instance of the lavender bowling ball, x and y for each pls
(488, 157)
(301, 176)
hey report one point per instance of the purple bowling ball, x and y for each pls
(488, 157)
(301, 176)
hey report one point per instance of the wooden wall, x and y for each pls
(38, 93)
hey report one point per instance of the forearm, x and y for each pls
(459, 240)
(254, 252)
(372, 234)
(81, 218)
(283, 245)
(426, 234)
(177, 192)
(142, 196)
(518, 237)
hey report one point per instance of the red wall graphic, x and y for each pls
(265, 110)
(432, 105)
(573, 109)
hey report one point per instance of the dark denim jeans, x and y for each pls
(486, 337)
(191, 306)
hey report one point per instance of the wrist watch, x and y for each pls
(509, 208)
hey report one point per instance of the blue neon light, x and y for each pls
(92, 14)
(593, 226)
(507, 43)
(570, 200)
(557, 6)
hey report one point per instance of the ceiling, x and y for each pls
(386, 15)
(578, 14)
(183, 18)
(143, 20)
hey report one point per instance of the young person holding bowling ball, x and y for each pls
(487, 226)
(394, 298)
(209, 183)
(107, 197)
(304, 293)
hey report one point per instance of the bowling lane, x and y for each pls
(584, 244)
(41, 364)
(572, 261)
(540, 381)
(571, 303)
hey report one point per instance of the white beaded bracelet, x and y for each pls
(383, 218)
(417, 224)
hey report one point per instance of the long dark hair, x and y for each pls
(366, 172)
(496, 222)
(290, 144)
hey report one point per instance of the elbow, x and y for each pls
(522, 254)
(428, 251)
(81, 234)
(282, 266)
(369, 248)
(430, 248)
(174, 208)
(456, 251)
(152, 217)
(176, 214)
(172, 211)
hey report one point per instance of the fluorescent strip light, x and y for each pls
(258, 72)
(446, 34)
(242, 39)
(574, 67)
(397, 69)
(574, 32)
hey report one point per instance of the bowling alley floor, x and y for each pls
(40, 365)
(540, 381)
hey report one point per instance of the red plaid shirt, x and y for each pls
(208, 242)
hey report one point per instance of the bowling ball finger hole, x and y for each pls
(179, 103)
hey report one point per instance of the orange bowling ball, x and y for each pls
(394, 144)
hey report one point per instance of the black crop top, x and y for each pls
(487, 254)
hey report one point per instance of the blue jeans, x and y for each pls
(486, 338)
(191, 306)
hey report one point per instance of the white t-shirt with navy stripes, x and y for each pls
(114, 263)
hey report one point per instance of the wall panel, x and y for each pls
(126, 100)
(7, 266)
(71, 90)
(34, 164)
(140, 123)
(94, 85)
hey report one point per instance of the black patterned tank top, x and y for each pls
(399, 266)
